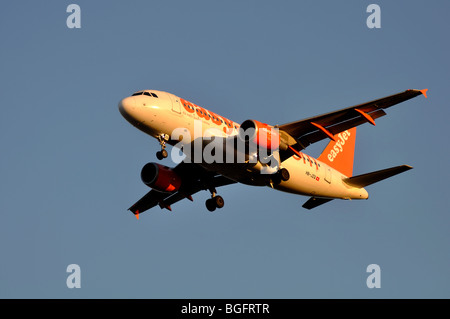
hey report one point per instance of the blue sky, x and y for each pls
(70, 163)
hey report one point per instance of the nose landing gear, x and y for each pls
(163, 138)
(161, 154)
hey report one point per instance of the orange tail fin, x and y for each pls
(339, 154)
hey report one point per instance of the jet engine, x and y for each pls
(160, 178)
(261, 134)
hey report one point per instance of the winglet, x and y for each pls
(136, 213)
(424, 92)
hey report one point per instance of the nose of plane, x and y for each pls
(127, 106)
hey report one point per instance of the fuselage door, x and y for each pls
(328, 175)
(176, 104)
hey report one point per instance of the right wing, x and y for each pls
(316, 128)
(195, 178)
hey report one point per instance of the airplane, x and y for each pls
(257, 154)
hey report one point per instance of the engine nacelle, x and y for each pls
(261, 134)
(160, 178)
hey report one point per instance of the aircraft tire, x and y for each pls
(218, 201)
(284, 174)
(210, 204)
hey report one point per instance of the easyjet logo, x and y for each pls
(208, 115)
(339, 145)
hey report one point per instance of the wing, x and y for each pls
(316, 128)
(195, 178)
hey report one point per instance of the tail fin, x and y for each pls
(370, 178)
(339, 154)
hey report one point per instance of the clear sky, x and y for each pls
(70, 164)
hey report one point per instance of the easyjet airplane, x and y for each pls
(282, 165)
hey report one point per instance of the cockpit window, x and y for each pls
(151, 94)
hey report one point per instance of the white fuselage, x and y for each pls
(166, 113)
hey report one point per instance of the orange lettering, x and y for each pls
(186, 105)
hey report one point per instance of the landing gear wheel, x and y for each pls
(276, 179)
(284, 174)
(210, 204)
(214, 202)
(161, 154)
(281, 176)
(218, 201)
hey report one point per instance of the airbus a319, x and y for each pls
(221, 152)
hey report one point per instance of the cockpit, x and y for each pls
(151, 94)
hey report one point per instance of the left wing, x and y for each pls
(195, 178)
(316, 128)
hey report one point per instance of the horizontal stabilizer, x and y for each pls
(314, 202)
(370, 178)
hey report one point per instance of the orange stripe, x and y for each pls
(309, 159)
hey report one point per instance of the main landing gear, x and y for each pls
(214, 202)
(281, 175)
(163, 138)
